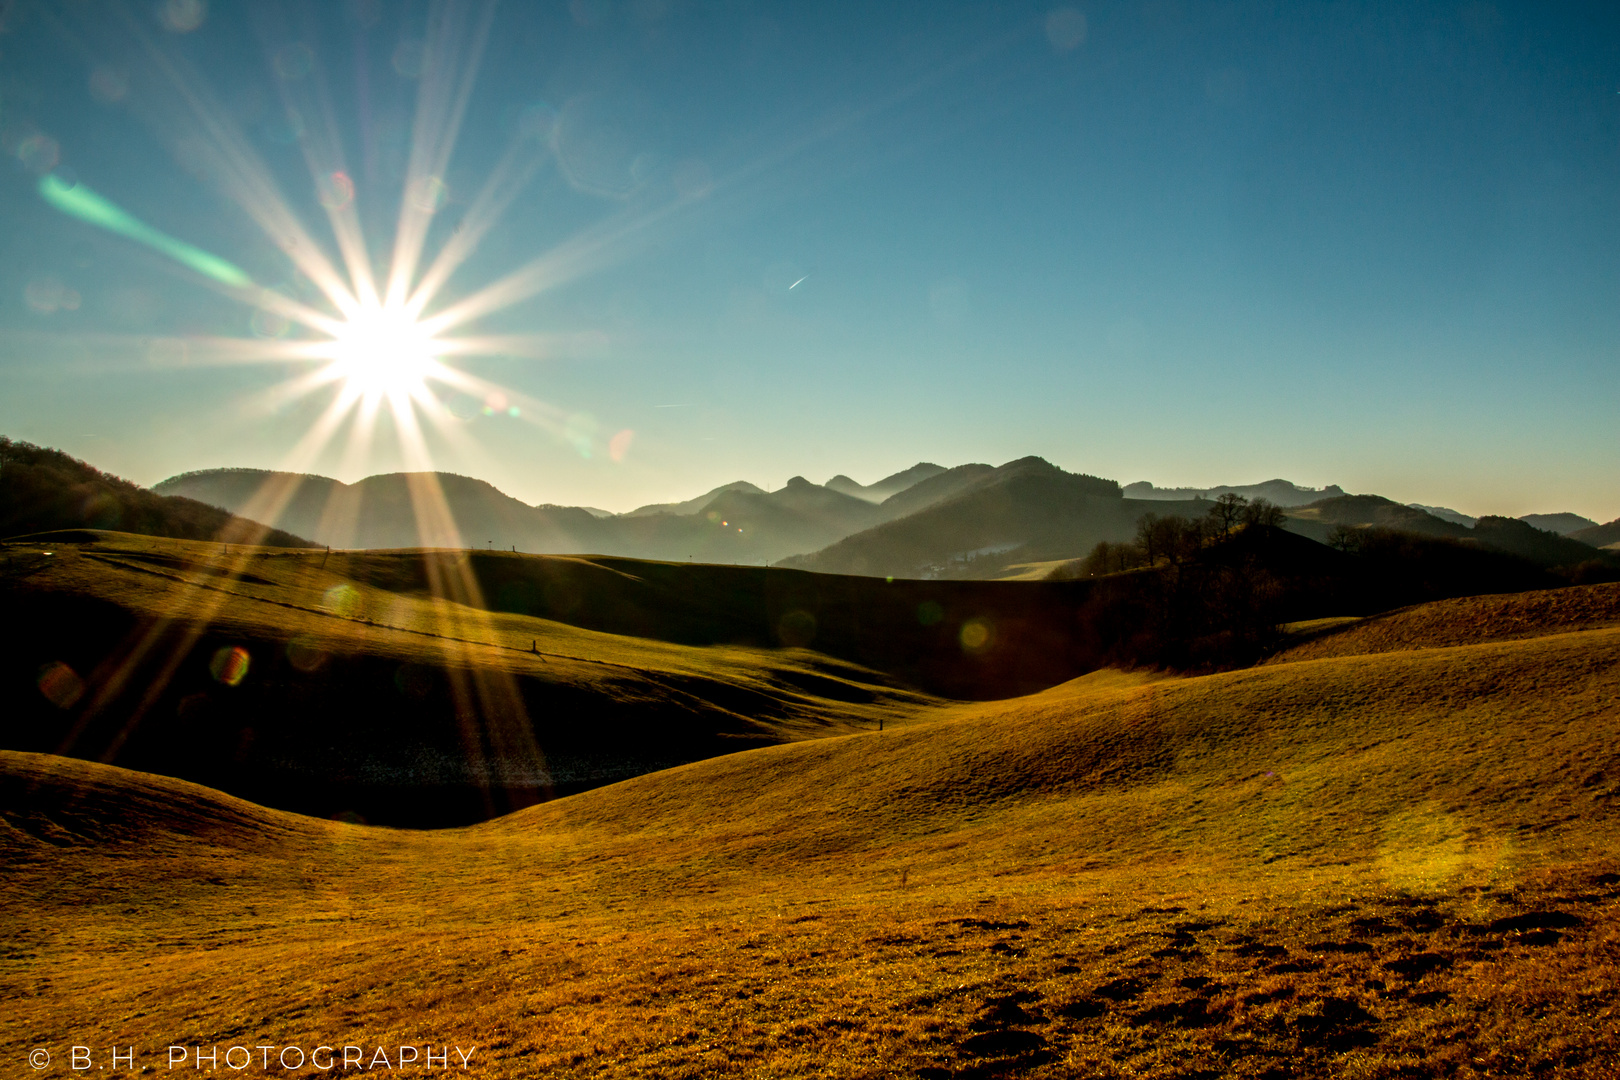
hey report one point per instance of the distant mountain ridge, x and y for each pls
(970, 521)
(1278, 492)
(888, 486)
(1563, 524)
(692, 506)
(976, 521)
(1600, 536)
(734, 523)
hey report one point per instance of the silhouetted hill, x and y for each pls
(739, 523)
(1565, 524)
(935, 489)
(1540, 546)
(43, 490)
(1599, 536)
(1446, 513)
(697, 505)
(984, 520)
(393, 510)
(888, 486)
(1276, 492)
(755, 527)
(297, 502)
(1320, 521)
(1317, 520)
(1224, 606)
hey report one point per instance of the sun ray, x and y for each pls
(322, 149)
(291, 390)
(507, 180)
(588, 252)
(440, 106)
(377, 350)
(526, 346)
(245, 179)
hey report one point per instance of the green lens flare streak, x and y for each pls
(78, 201)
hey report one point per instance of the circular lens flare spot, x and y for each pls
(343, 600)
(268, 324)
(335, 190)
(60, 684)
(975, 635)
(229, 665)
(305, 654)
(429, 194)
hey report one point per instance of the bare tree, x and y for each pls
(1147, 535)
(1107, 558)
(1264, 512)
(1227, 512)
(1346, 538)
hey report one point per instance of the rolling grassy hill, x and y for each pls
(1514, 536)
(429, 687)
(1467, 621)
(375, 685)
(1399, 864)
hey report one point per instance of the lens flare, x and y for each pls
(382, 351)
(229, 665)
(61, 685)
(975, 635)
(78, 201)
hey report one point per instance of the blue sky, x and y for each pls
(1356, 243)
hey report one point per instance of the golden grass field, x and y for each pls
(365, 658)
(1394, 854)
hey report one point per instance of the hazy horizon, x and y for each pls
(1370, 246)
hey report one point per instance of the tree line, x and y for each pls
(1174, 540)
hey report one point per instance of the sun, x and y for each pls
(382, 351)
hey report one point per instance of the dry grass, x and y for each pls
(1464, 621)
(379, 684)
(281, 594)
(1389, 865)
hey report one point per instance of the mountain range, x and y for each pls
(1277, 492)
(1019, 519)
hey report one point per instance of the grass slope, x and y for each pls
(1398, 864)
(1467, 621)
(429, 688)
(377, 683)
